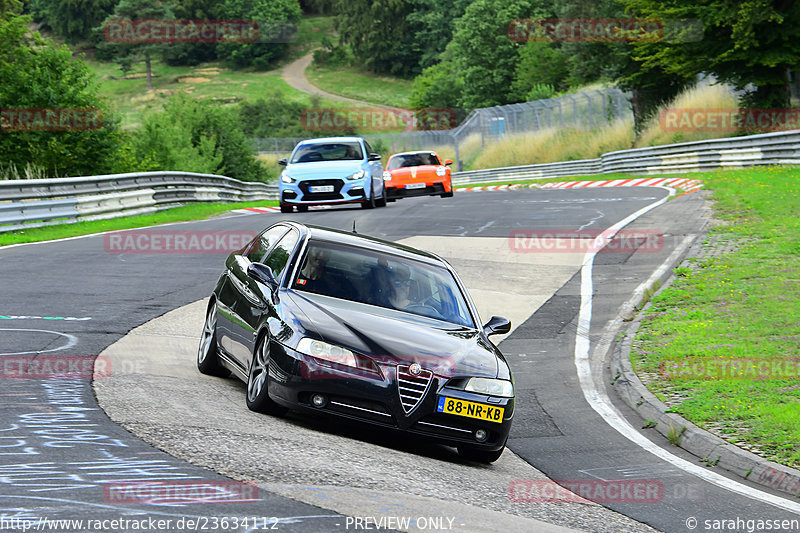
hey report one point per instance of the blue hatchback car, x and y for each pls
(332, 170)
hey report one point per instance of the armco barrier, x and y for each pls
(766, 149)
(35, 203)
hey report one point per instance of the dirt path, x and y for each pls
(294, 75)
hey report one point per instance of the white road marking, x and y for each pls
(601, 403)
(72, 340)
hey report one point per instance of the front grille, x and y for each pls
(335, 195)
(401, 192)
(412, 388)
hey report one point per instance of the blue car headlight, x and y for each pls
(358, 175)
(286, 178)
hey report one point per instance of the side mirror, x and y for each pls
(374, 157)
(263, 274)
(283, 162)
(497, 325)
(448, 161)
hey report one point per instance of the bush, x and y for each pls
(194, 136)
(38, 73)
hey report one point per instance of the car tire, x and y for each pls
(286, 208)
(369, 203)
(382, 200)
(207, 355)
(302, 208)
(258, 382)
(480, 456)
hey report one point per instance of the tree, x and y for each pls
(379, 34)
(276, 13)
(10, 8)
(196, 136)
(748, 43)
(483, 52)
(73, 19)
(193, 53)
(433, 24)
(40, 77)
(539, 64)
(127, 12)
(649, 84)
(439, 86)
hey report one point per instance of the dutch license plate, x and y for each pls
(321, 188)
(481, 411)
(415, 186)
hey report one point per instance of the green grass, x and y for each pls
(210, 81)
(310, 31)
(176, 214)
(360, 85)
(744, 306)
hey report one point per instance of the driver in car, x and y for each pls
(400, 281)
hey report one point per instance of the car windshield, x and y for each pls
(330, 151)
(412, 160)
(390, 281)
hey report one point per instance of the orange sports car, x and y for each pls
(417, 174)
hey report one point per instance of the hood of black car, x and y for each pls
(391, 337)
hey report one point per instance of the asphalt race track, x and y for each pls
(62, 458)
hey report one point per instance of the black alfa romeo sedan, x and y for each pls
(318, 319)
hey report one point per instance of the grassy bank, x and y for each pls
(210, 81)
(722, 344)
(360, 85)
(176, 214)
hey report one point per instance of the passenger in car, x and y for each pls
(315, 276)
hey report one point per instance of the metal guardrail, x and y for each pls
(781, 148)
(34, 203)
(42, 202)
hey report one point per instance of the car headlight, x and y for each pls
(358, 175)
(286, 178)
(491, 387)
(387, 175)
(441, 171)
(327, 352)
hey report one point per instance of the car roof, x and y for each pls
(414, 152)
(331, 139)
(365, 241)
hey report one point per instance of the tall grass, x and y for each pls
(698, 97)
(552, 144)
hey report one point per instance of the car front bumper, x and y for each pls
(374, 398)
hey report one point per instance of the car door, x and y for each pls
(236, 295)
(263, 296)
